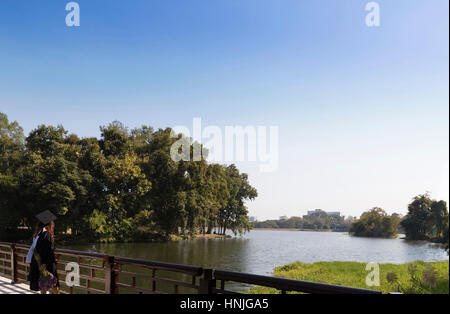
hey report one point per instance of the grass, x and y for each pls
(353, 274)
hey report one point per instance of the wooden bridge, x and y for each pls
(106, 274)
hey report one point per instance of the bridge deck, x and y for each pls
(7, 288)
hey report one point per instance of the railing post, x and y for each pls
(14, 277)
(207, 283)
(110, 276)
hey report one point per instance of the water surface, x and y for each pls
(260, 251)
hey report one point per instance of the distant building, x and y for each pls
(284, 218)
(252, 219)
(310, 212)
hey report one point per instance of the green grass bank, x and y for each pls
(411, 278)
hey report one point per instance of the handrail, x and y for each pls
(71, 252)
(195, 270)
(289, 284)
(82, 253)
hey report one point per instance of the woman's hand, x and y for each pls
(43, 267)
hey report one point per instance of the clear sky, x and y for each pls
(363, 113)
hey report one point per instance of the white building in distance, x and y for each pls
(310, 212)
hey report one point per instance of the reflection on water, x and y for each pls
(260, 251)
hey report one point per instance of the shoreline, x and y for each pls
(295, 229)
(211, 236)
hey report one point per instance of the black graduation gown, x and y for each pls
(46, 250)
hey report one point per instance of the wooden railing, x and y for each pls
(283, 284)
(105, 274)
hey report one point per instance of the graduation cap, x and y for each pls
(46, 217)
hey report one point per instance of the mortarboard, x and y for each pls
(46, 217)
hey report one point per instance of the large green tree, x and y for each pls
(233, 215)
(12, 148)
(12, 143)
(49, 177)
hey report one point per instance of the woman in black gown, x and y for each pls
(44, 255)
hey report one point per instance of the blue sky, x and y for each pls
(363, 112)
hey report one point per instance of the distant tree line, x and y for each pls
(318, 220)
(122, 187)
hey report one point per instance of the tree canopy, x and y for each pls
(122, 187)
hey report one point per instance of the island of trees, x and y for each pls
(122, 187)
(376, 223)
